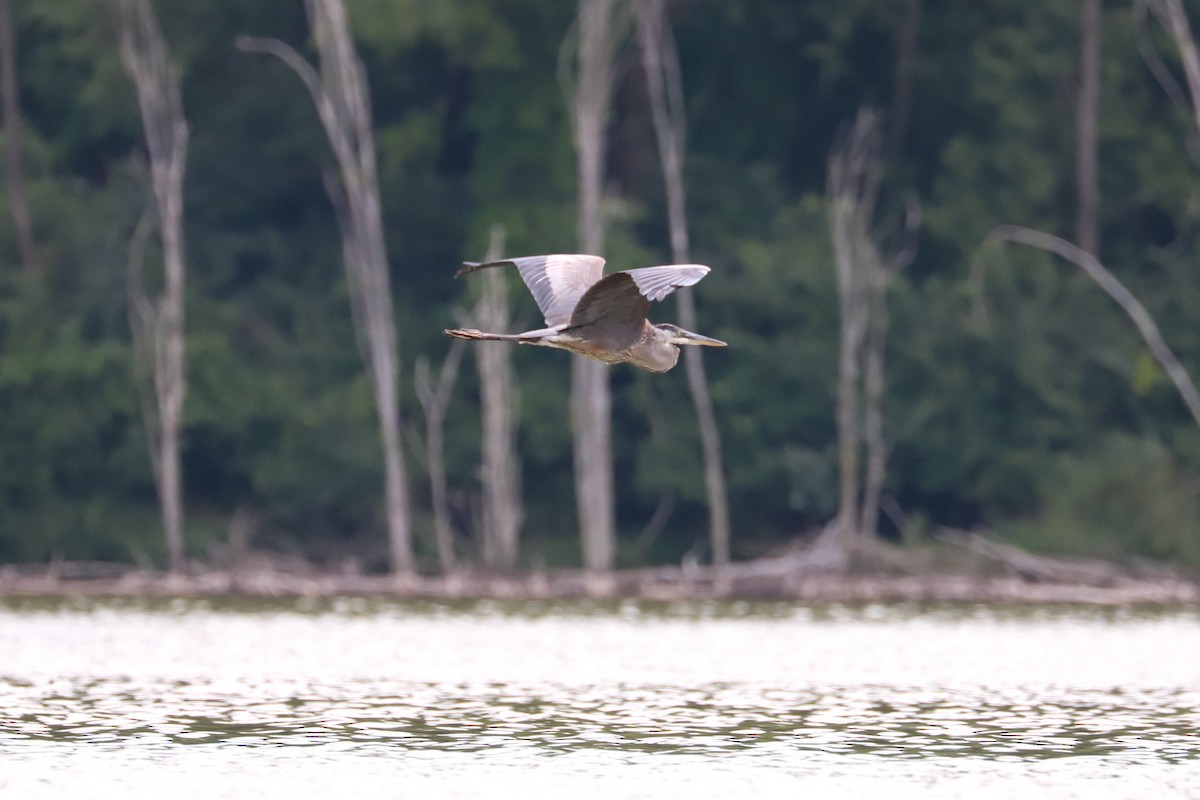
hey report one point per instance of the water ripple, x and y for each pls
(1145, 726)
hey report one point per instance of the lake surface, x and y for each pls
(354, 698)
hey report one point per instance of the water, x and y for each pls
(349, 697)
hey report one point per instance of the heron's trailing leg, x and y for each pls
(471, 333)
(529, 337)
(474, 266)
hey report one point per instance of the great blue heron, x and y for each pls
(600, 317)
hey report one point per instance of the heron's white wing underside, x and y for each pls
(557, 282)
(655, 283)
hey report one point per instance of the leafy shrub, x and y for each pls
(1129, 495)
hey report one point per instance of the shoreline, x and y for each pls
(753, 581)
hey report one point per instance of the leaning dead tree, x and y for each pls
(864, 275)
(500, 472)
(14, 165)
(589, 88)
(158, 324)
(661, 62)
(1113, 287)
(339, 90)
(1171, 15)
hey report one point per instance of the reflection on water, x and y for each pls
(894, 696)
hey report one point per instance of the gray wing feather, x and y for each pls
(558, 281)
(555, 281)
(655, 283)
(616, 302)
(620, 300)
(560, 285)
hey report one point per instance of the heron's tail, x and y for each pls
(474, 266)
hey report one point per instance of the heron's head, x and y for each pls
(678, 336)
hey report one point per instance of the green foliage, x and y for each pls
(74, 478)
(1125, 496)
(1019, 396)
(470, 32)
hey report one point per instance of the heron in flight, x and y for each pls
(600, 317)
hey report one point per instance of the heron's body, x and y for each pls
(600, 317)
(651, 349)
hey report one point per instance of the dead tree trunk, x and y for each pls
(158, 325)
(434, 396)
(863, 278)
(339, 91)
(881, 271)
(661, 62)
(874, 446)
(590, 97)
(1087, 130)
(14, 167)
(503, 514)
(1124, 298)
(852, 188)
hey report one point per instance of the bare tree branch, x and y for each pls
(288, 55)
(1154, 61)
(1132, 307)
(1173, 18)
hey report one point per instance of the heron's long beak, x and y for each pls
(687, 337)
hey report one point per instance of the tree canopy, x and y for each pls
(1019, 398)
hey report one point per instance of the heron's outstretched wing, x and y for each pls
(655, 283)
(557, 282)
(619, 302)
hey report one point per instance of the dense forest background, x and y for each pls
(1019, 399)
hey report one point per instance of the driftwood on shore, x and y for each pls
(875, 573)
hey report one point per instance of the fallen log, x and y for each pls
(1039, 568)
